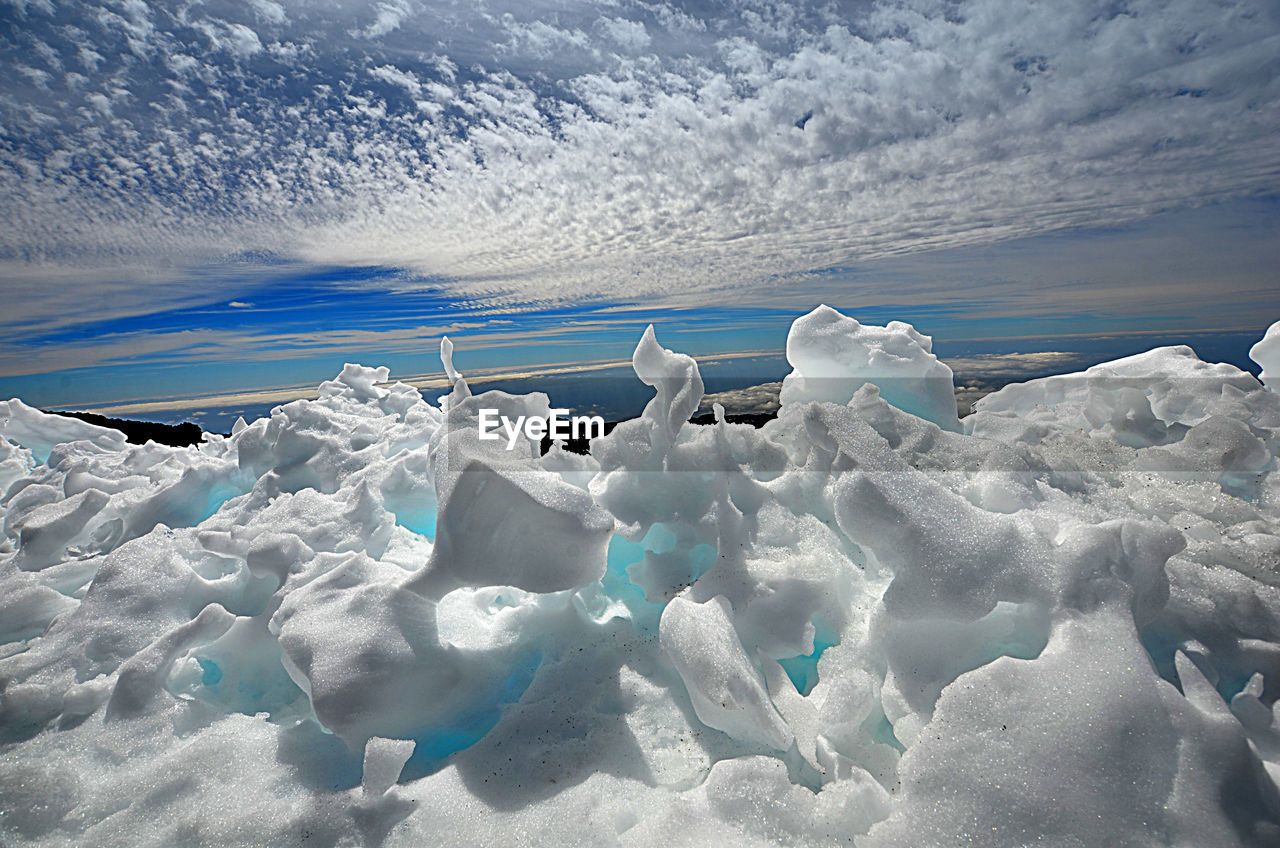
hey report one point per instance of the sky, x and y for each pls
(222, 199)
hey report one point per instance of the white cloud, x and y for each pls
(270, 12)
(388, 17)
(395, 76)
(638, 151)
(234, 38)
(37, 76)
(630, 35)
(89, 58)
(100, 102)
(241, 40)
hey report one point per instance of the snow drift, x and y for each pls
(355, 622)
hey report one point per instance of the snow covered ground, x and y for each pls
(355, 623)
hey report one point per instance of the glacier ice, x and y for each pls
(354, 622)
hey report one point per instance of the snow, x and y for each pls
(832, 355)
(1267, 354)
(355, 622)
(727, 691)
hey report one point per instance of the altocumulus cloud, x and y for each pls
(546, 153)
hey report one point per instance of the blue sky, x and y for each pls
(211, 198)
(298, 324)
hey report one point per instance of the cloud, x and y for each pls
(395, 76)
(269, 11)
(240, 304)
(387, 18)
(628, 152)
(629, 35)
(238, 39)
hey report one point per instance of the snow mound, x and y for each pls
(833, 355)
(1267, 354)
(354, 622)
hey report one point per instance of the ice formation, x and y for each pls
(1267, 354)
(355, 622)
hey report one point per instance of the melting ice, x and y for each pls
(1056, 621)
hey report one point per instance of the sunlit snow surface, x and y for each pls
(1054, 622)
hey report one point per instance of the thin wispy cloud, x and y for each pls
(191, 347)
(515, 152)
